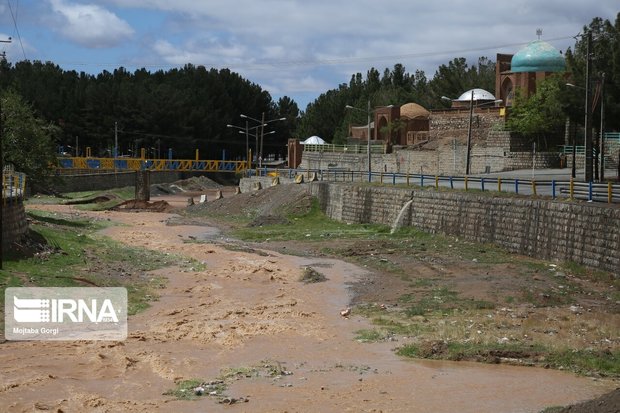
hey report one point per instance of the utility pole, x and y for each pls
(262, 135)
(588, 174)
(2, 172)
(115, 139)
(602, 150)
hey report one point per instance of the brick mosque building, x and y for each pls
(433, 140)
(523, 70)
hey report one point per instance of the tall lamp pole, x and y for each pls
(368, 148)
(471, 118)
(261, 123)
(588, 175)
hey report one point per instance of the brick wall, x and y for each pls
(584, 233)
(14, 224)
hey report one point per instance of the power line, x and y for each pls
(16, 29)
(270, 65)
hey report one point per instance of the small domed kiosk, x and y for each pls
(524, 69)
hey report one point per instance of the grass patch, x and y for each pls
(442, 300)
(73, 255)
(606, 363)
(603, 363)
(184, 390)
(312, 226)
(370, 336)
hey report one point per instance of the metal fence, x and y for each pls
(13, 186)
(329, 148)
(607, 192)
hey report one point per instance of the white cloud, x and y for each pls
(89, 24)
(299, 46)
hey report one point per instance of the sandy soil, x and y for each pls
(248, 309)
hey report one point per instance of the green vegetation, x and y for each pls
(369, 336)
(102, 200)
(184, 390)
(604, 363)
(187, 389)
(69, 252)
(313, 226)
(27, 141)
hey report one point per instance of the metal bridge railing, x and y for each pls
(329, 148)
(137, 164)
(607, 192)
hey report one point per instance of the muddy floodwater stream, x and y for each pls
(246, 309)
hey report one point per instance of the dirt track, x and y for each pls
(249, 309)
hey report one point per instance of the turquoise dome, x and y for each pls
(538, 56)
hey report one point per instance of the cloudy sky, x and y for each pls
(298, 48)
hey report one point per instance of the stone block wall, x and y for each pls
(492, 151)
(588, 234)
(14, 224)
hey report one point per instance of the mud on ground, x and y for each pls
(424, 290)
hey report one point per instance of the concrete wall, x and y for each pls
(447, 159)
(248, 184)
(14, 224)
(584, 233)
(101, 181)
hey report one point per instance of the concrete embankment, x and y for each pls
(588, 234)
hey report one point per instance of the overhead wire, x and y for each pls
(13, 16)
(270, 65)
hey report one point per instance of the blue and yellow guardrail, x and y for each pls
(138, 164)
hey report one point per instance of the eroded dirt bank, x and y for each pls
(244, 311)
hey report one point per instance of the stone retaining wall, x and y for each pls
(584, 233)
(14, 224)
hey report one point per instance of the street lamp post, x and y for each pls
(588, 117)
(246, 131)
(470, 124)
(262, 123)
(471, 118)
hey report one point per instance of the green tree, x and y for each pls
(606, 59)
(27, 141)
(542, 115)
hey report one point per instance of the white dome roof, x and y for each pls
(314, 140)
(479, 94)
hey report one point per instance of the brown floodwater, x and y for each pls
(245, 310)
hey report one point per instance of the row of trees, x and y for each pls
(327, 117)
(183, 109)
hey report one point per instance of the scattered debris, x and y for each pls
(310, 275)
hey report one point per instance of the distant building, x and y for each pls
(395, 125)
(535, 62)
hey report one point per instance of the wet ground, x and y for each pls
(247, 310)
